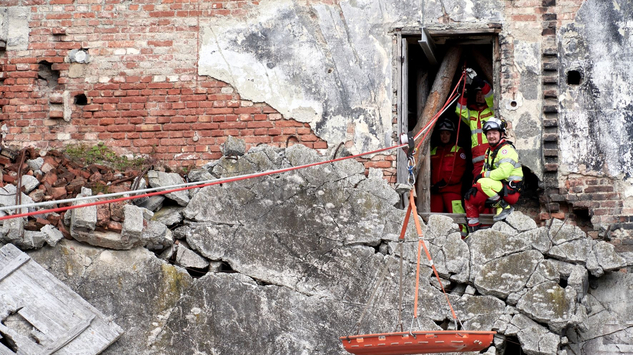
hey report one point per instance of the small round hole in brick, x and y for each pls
(574, 77)
(81, 100)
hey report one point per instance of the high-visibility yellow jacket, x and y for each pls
(504, 165)
(475, 118)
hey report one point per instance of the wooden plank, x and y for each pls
(403, 112)
(70, 336)
(4, 350)
(439, 93)
(65, 322)
(25, 345)
(484, 63)
(442, 32)
(13, 265)
(460, 218)
(496, 54)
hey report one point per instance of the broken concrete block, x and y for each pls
(233, 147)
(133, 223)
(159, 179)
(83, 219)
(182, 256)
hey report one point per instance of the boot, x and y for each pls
(472, 229)
(503, 210)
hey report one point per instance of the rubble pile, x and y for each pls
(293, 257)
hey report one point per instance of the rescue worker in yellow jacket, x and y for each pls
(499, 183)
(476, 115)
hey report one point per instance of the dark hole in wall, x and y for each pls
(226, 267)
(197, 273)
(443, 324)
(531, 191)
(573, 77)
(512, 346)
(81, 100)
(562, 283)
(583, 218)
(47, 75)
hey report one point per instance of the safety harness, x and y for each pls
(509, 187)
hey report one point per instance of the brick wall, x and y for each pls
(140, 90)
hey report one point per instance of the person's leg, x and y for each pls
(491, 187)
(473, 203)
(453, 201)
(512, 198)
(437, 204)
(503, 207)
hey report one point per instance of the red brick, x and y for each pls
(254, 124)
(377, 164)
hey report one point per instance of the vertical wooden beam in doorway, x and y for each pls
(439, 93)
(403, 107)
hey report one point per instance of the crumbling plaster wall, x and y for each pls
(329, 65)
(596, 133)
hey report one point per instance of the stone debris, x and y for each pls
(317, 238)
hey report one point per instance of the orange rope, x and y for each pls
(421, 244)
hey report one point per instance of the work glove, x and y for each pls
(479, 176)
(435, 189)
(470, 75)
(478, 82)
(470, 193)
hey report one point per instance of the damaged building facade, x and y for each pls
(172, 80)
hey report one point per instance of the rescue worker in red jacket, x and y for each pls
(476, 115)
(499, 183)
(448, 163)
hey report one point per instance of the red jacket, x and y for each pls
(448, 162)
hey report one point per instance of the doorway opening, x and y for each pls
(432, 63)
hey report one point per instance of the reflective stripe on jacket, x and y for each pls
(476, 117)
(505, 166)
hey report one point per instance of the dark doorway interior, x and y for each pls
(477, 51)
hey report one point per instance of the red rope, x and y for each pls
(459, 124)
(266, 173)
(238, 178)
(436, 116)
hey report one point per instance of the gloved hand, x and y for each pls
(435, 188)
(470, 75)
(478, 82)
(479, 176)
(470, 193)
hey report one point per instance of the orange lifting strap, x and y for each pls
(419, 342)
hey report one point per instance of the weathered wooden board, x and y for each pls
(61, 322)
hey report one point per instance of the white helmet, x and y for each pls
(495, 124)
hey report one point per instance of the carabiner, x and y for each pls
(410, 168)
